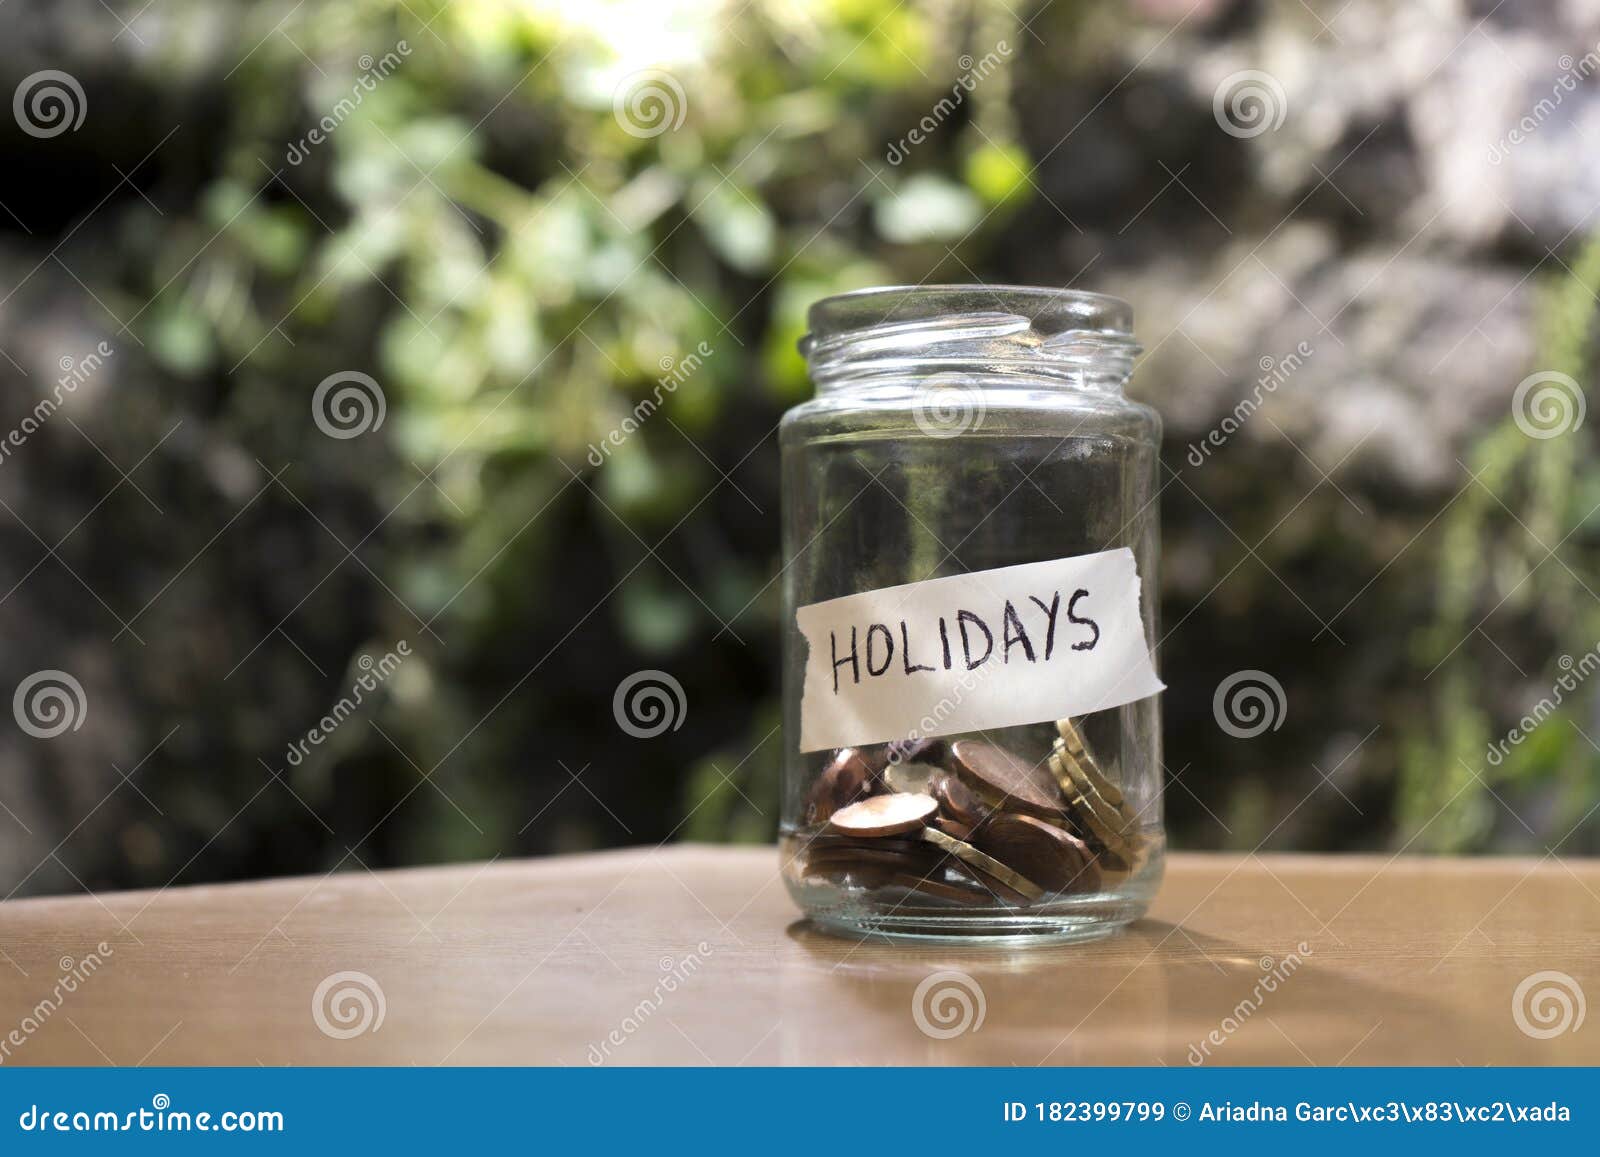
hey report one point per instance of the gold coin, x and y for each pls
(1109, 834)
(1117, 815)
(953, 828)
(1073, 738)
(984, 863)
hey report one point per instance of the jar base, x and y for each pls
(971, 929)
(896, 915)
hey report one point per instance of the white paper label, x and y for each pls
(994, 648)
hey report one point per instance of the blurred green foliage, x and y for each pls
(489, 228)
(1518, 541)
(488, 223)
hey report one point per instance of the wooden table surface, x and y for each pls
(694, 955)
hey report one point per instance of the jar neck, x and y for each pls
(1001, 336)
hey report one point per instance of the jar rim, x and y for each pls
(1049, 307)
(1070, 334)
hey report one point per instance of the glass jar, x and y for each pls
(972, 741)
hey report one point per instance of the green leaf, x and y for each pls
(180, 339)
(998, 172)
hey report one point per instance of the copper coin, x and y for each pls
(1013, 783)
(956, 799)
(1050, 857)
(920, 864)
(884, 815)
(953, 828)
(847, 778)
(826, 841)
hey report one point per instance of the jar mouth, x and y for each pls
(1070, 335)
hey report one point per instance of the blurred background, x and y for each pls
(332, 522)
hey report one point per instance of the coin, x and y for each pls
(996, 773)
(826, 841)
(992, 889)
(986, 864)
(1053, 858)
(1072, 739)
(884, 815)
(987, 889)
(1104, 832)
(915, 777)
(970, 893)
(920, 863)
(956, 799)
(1075, 780)
(1124, 861)
(1076, 783)
(953, 828)
(847, 778)
(1072, 736)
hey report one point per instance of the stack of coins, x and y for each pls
(1097, 805)
(968, 822)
